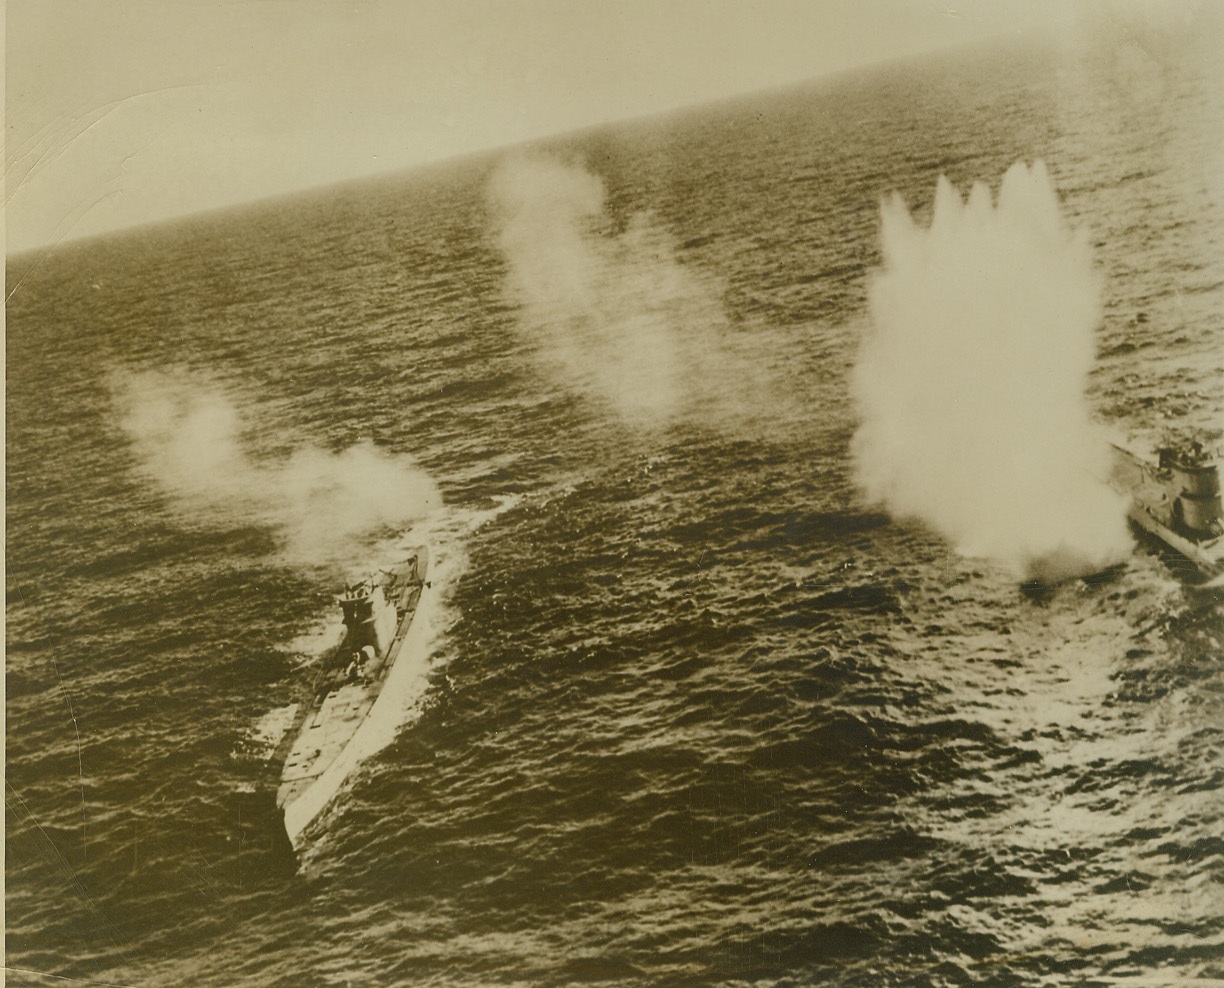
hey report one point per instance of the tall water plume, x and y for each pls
(970, 382)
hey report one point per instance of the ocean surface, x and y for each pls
(693, 712)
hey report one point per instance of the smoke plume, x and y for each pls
(614, 313)
(187, 438)
(970, 384)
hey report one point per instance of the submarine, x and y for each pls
(1175, 499)
(351, 693)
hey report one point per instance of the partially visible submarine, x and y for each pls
(1175, 498)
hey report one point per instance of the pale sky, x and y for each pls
(120, 112)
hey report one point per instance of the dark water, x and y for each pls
(696, 714)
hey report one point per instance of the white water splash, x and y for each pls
(971, 383)
(263, 738)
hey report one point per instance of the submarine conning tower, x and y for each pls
(1194, 475)
(369, 617)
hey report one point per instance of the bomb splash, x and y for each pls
(970, 382)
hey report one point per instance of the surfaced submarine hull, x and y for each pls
(348, 703)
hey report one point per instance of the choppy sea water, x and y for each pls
(695, 713)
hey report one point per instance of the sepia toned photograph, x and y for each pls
(548, 493)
